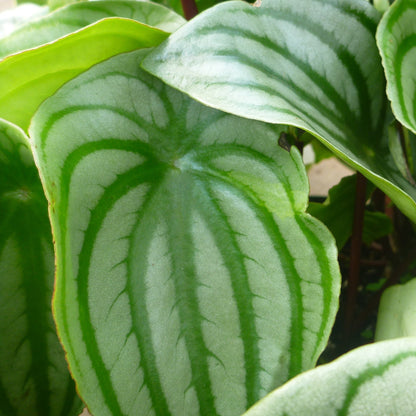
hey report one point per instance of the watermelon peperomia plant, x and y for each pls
(190, 278)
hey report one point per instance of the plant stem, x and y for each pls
(189, 9)
(356, 243)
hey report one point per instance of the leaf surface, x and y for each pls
(396, 39)
(283, 62)
(190, 279)
(78, 15)
(34, 377)
(11, 19)
(337, 213)
(397, 311)
(376, 380)
(53, 64)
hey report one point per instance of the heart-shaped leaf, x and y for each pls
(34, 377)
(311, 64)
(78, 15)
(376, 380)
(23, 90)
(190, 279)
(396, 38)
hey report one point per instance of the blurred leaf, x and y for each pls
(56, 4)
(337, 213)
(397, 312)
(13, 18)
(376, 225)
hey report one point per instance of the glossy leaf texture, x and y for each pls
(53, 64)
(396, 38)
(190, 279)
(376, 380)
(397, 311)
(313, 64)
(78, 15)
(34, 377)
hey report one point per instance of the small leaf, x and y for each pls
(337, 213)
(284, 63)
(78, 15)
(190, 279)
(397, 312)
(34, 377)
(55, 4)
(396, 39)
(376, 380)
(376, 225)
(51, 65)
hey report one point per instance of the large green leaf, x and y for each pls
(190, 279)
(396, 38)
(29, 77)
(397, 312)
(312, 64)
(376, 380)
(78, 15)
(34, 377)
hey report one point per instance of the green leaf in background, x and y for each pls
(78, 15)
(34, 377)
(397, 312)
(174, 5)
(396, 38)
(337, 213)
(190, 279)
(13, 18)
(376, 380)
(55, 4)
(23, 90)
(284, 63)
(376, 225)
(40, 2)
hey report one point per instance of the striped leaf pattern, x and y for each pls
(34, 377)
(376, 380)
(78, 15)
(396, 38)
(308, 63)
(190, 279)
(53, 64)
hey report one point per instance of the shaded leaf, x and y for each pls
(34, 378)
(190, 279)
(376, 380)
(283, 63)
